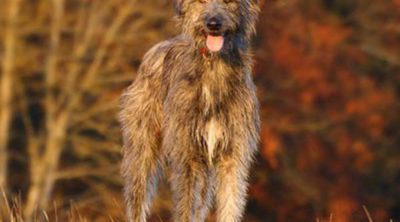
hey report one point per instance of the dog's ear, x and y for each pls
(259, 3)
(178, 6)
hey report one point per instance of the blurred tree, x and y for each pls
(6, 89)
(73, 61)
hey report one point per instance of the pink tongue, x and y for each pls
(214, 43)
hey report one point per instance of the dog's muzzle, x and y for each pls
(214, 35)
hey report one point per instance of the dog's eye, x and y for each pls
(202, 1)
(228, 1)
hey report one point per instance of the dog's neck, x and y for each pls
(204, 52)
(234, 58)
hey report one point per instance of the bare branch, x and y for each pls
(77, 172)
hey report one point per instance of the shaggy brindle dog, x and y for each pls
(193, 110)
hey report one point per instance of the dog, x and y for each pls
(192, 110)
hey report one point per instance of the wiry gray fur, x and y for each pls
(195, 114)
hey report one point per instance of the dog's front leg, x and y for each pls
(188, 177)
(231, 191)
(142, 161)
(231, 188)
(189, 184)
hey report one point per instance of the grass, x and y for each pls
(12, 211)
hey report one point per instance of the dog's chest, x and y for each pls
(214, 87)
(213, 136)
(214, 92)
(208, 97)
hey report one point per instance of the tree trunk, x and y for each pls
(43, 169)
(6, 88)
(43, 173)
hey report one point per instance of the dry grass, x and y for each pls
(365, 209)
(12, 211)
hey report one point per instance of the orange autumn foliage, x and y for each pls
(330, 110)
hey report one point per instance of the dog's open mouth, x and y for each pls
(214, 42)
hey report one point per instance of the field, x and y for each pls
(328, 78)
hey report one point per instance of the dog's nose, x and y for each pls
(214, 24)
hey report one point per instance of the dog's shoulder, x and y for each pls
(153, 59)
(155, 56)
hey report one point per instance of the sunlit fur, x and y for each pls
(194, 114)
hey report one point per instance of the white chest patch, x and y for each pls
(207, 95)
(214, 133)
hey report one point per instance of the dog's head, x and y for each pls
(218, 24)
